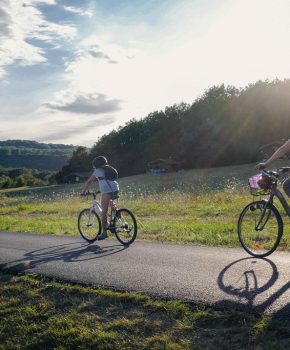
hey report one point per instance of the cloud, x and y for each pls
(66, 131)
(21, 21)
(96, 53)
(5, 20)
(79, 11)
(58, 127)
(92, 103)
(92, 51)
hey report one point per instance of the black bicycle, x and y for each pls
(121, 222)
(260, 225)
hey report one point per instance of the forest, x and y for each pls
(34, 155)
(19, 177)
(31, 163)
(226, 125)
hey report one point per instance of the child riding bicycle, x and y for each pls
(108, 185)
(280, 152)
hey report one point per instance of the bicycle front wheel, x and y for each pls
(89, 225)
(125, 226)
(260, 228)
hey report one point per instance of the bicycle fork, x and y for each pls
(91, 215)
(260, 226)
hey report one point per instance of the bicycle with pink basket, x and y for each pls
(260, 225)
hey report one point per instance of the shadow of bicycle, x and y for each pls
(70, 252)
(244, 280)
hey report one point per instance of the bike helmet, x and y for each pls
(99, 161)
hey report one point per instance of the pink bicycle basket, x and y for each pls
(255, 189)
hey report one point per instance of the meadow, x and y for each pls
(190, 207)
(198, 206)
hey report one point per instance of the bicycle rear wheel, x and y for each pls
(125, 226)
(89, 225)
(260, 228)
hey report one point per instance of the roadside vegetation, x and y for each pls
(193, 207)
(41, 313)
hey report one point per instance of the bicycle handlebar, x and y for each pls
(276, 172)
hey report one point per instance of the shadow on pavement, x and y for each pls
(71, 252)
(242, 279)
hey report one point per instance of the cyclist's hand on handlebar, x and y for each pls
(261, 166)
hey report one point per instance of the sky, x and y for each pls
(72, 71)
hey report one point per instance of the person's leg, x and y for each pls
(286, 186)
(105, 200)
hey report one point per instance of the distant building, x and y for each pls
(163, 165)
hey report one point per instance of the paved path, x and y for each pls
(215, 276)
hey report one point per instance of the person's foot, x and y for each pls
(102, 236)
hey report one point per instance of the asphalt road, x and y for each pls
(220, 277)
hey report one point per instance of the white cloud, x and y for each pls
(58, 128)
(37, 2)
(21, 21)
(147, 64)
(79, 11)
(81, 103)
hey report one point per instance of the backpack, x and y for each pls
(110, 172)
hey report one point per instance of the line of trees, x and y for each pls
(224, 126)
(28, 144)
(34, 155)
(11, 178)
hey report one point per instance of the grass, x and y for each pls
(192, 207)
(41, 313)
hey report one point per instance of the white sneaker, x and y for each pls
(102, 236)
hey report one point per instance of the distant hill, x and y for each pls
(34, 155)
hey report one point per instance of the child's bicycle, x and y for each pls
(121, 222)
(260, 225)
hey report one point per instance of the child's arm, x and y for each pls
(88, 184)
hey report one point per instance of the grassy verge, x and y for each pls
(198, 206)
(208, 218)
(40, 313)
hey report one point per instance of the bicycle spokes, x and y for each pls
(265, 213)
(125, 226)
(260, 228)
(89, 225)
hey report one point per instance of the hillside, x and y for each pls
(224, 126)
(34, 155)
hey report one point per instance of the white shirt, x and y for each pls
(106, 186)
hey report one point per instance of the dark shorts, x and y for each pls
(114, 195)
(286, 186)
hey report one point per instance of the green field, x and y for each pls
(41, 313)
(192, 207)
(198, 206)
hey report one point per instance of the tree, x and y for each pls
(224, 126)
(19, 181)
(5, 181)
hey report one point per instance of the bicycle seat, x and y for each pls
(115, 196)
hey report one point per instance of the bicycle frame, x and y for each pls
(97, 206)
(276, 192)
